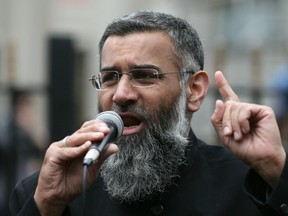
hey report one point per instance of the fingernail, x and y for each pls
(103, 128)
(103, 124)
(97, 134)
(226, 130)
(86, 144)
(236, 135)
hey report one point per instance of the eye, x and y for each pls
(109, 76)
(144, 74)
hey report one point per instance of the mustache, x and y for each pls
(133, 109)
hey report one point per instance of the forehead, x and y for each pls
(137, 48)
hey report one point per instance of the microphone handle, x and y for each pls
(97, 147)
(106, 140)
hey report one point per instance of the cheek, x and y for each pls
(105, 100)
(160, 102)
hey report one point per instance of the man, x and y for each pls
(151, 73)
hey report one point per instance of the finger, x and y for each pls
(93, 170)
(226, 120)
(235, 119)
(111, 149)
(224, 88)
(217, 117)
(218, 112)
(244, 120)
(94, 125)
(57, 154)
(92, 122)
(72, 153)
(240, 117)
(78, 139)
(64, 142)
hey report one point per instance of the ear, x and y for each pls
(196, 90)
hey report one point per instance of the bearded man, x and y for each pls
(152, 75)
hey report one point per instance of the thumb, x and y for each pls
(217, 117)
(94, 169)
(111, 149)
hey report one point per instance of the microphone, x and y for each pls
(116, 125)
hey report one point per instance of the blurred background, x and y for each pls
(48, 50)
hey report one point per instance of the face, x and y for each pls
(155, 135)
(133, 51)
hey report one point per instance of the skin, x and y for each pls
(135, 50)
(258, 145)
(125, 53)
(250, 131)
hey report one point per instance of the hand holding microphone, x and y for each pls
(62, 163)
(116, 125)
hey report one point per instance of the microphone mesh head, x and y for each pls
(112, 117)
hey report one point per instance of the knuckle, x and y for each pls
(53, 145)
(230, 103)
(87, 123)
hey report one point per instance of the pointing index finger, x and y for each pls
(224, 88)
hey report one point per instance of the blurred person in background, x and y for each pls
(20, 150)
(151, 73)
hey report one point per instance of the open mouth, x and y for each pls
(132, 123)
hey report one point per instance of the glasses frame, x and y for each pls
(96, 79)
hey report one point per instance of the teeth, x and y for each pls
(133, 126)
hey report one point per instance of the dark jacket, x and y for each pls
(212, 183)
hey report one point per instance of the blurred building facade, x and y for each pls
(49, 49)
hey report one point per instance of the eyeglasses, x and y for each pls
(139, 77)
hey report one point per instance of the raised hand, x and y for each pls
(250, 131)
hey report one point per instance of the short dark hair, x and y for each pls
(187, 46)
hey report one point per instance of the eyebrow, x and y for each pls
(109, 69)
(146, 66)
(112, 68)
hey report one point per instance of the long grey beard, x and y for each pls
(148, 162)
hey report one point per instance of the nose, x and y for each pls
(125, 93)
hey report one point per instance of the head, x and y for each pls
(187, 47)
(156, 118)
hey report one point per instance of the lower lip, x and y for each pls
(132, 130)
